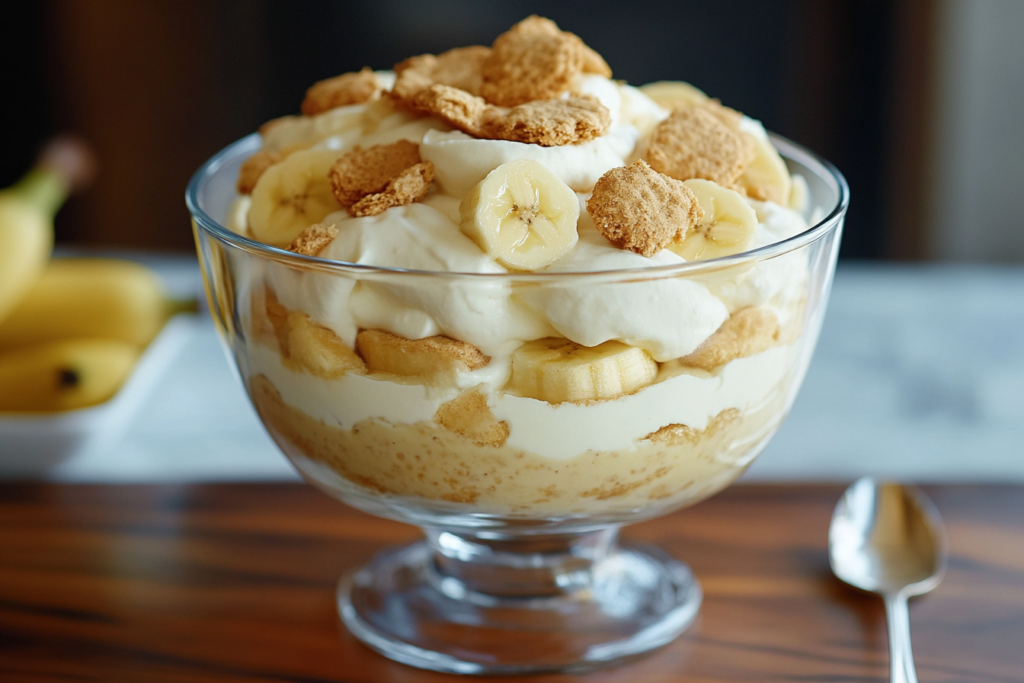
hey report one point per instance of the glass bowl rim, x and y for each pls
(787, 148)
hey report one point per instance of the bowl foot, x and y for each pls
(412, 606)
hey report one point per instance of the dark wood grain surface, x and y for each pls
(236, 583)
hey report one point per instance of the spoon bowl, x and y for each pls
(888, 539)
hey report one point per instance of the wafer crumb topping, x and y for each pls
(456, 107)
(352, 88)
(640, 210)
(552, 122)
(407, 187)
(459, 68)
(521, 89)
(509, 92)
(313, 240)
(700, 142)
(367, 171)
(546, 122)
(533, 60)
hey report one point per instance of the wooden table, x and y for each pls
(236, 583)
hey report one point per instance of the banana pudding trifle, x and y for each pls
(497, 293)
(532, 401)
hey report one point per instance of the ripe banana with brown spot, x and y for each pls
(64, 375)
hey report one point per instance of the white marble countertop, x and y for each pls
(919, 374)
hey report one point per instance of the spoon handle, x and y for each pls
(901, 657)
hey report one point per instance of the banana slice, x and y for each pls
(559, 370)
(318, 350)
(670, 93)
(522, 215)
(291, 196)
(766, 177)
(727, 227)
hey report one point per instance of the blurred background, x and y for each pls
(918, 102)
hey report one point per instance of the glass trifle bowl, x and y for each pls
(499, 295)
(520, 492)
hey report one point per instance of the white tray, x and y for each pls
(32, 445)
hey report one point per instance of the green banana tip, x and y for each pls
(184, 305)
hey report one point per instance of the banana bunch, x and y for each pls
(71, 330)
(74, 337)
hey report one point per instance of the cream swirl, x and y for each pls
(461, 161)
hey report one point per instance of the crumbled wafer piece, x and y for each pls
(456, 107)
(469, 415)
(407, 187)
(548, 122)
(683, 435)
(551, 122)
(313, 239)
(387, 352)
(253, 167)
(747, 332)
(462, 68)
(533, 60)
(694, 142)
(366, 171)
(459, 68)
(640, 210)
(317, 350)
(351, 88)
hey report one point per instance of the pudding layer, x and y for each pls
(468, 461)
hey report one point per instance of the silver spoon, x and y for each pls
(886, 538)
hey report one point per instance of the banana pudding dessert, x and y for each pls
(491, 312)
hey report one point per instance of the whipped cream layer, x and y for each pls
(668, 317)
(554, 431)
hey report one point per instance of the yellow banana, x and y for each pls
(89, 297)
(64, 375)
(26, 233)
(26, 215)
